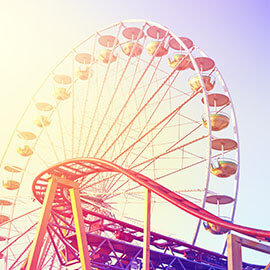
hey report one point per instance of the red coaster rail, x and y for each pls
(69, 168)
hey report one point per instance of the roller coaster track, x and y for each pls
(70, 170)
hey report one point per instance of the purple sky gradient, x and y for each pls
(37, 34)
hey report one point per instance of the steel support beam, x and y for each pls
(235, 244)
(146, 231)
(42, 225)
(34, 254)
(234, 252)
(79, 227)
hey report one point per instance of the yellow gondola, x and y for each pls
(180, 62)
(223, 167)
(25, 151)
(215, 229)
(84, 73)
(3, 219)
(61, 93)
(195, 83)
(132, 46)
(107, 56)
(2, 239)
(219, 121)
(42, 121)
(154, 46)
(11, 184)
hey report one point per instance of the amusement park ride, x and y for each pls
(134, 124)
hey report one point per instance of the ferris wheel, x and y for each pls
(139, 96)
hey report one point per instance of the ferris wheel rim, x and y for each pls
(196, 69)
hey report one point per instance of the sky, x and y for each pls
(35, 35)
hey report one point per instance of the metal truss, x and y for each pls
(108, 253)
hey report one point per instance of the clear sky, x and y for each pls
(36, 34)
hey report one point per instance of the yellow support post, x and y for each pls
(146, 231)
(34, 254)
(234, 252)
(235, 243)
(79, 227)
(42, 225)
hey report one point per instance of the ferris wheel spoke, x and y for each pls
(127, 101)
(149, 162)
(145, 148)
(65, 134)
(73, 105)
(181, 92)
(94, 87)
(153, 76)
(86, 98)
(51, 144)
(102, 87)
(190, 119)
(140, 194)
(133, 119)
(125, 104)
(113, 182)
(18, 238)
(14, 229)
(107, 182)
(17, 262)
(107, 111)
(132, 192)
(141, 103)
(192, 154)
(154, 200)
(184, 137)
(130, 90)
(223, 107)
(21, 216)
(169, 116)
(86, 184)
(122, 185)
(147, 123)
(191, 165)
(61, 132)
